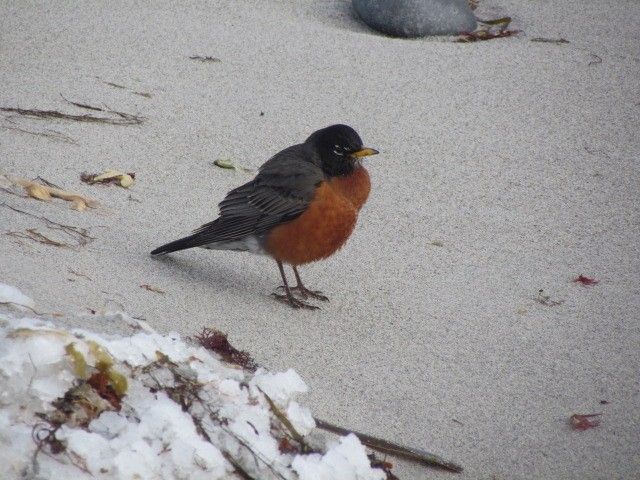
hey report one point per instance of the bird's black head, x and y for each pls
(339, 148)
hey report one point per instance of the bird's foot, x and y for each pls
(293, 302)
(305, 293)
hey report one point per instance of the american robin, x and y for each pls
(301, 207)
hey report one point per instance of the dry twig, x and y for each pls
(78, 235)
(35, 312)
(123, 118)
(557, 41)
(393, 448)
(205, 58)
(54, 135)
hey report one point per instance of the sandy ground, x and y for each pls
(507, 167)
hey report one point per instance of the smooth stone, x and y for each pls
(417, 18)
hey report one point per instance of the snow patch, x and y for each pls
(345, 460)
(183, 415)
(10, 294)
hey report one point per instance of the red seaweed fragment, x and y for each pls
(586, 281)
(584, 422)
(498, 28)
(481, 35)
(217, 341)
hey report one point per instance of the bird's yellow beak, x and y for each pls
(365, 152)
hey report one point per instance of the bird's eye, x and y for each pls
(338, 150)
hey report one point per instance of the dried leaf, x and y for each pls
(228, 164)
(151, 289)
(76, 198)
(38, 192)
(72, 197)
(547, 300)
(126, 180)
(109, 176)
(79, 205)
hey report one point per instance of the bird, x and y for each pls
(301, 207)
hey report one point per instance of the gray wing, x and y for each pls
(282, 190)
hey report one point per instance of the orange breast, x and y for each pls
(354, 187)
(326, 224)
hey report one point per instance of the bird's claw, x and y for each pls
(294, 302)
(305, 293)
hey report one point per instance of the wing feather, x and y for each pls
(282, 190)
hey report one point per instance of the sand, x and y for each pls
(507, 167)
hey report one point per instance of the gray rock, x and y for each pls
(416, 18)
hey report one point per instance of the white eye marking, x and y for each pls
(338, 150)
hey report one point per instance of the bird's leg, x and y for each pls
(288, 296)
(304, 291)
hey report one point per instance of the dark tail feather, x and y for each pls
(181, 244)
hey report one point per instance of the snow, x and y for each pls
(301, 418)
(345, 460)
(183, 415)
(13, 295)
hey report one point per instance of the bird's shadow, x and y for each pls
(224, 276)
